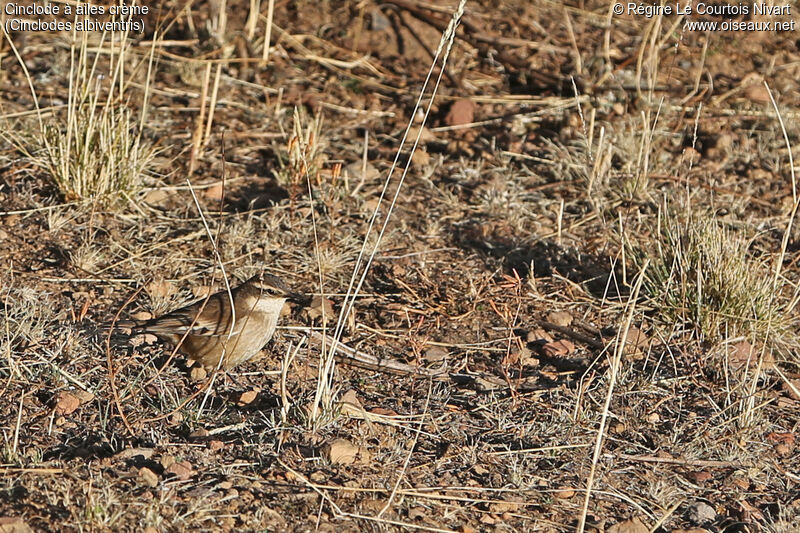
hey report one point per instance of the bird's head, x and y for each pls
(274, 287)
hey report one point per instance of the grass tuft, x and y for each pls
(704, 275)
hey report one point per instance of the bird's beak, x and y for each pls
(298, 298)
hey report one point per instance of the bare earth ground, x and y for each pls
(561, 144)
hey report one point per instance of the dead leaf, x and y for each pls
(425, 134)
(357, 170)
(792, 388)
(198, 373)
(636, 342)
(564, 494)
(421, 158)
(503, 507)
(157, 197)
(203, 291)
(350, 398)
(383, 412)
(781, 438)
(130, 453)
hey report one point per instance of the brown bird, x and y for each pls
(212, 331)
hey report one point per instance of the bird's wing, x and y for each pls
(210, 322)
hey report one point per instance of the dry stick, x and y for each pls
(212, 105)
(362, 359)
(778, 265)
(198, 130)
(621, 340)
(663, 519)
(302, 149)
(347, 306)
(252, 18)
(110, 363)
(18, 424)
(268, 30)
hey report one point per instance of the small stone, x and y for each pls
(148, 477)
(66, 403)
(198, 373)
(318, 306)
(14, 524)
(435, 354)
(248, 397)
(182, 470)
(559, 348)
(634, 525)
(156, 197)
(341, 451)
(461, 112)
(560, 318)
(700, 513)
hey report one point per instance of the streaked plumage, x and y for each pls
(257, 304)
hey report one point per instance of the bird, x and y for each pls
(206, 329)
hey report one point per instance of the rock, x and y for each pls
(341, 451)
(148, 477)
(14, 524)
(66, 403)
(560, 318)
(700, 513)
(461, 112)
(182, 470)
(634, 525)
(559, 348)
(434, 354)
(318, 306)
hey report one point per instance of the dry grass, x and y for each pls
(506, 252)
